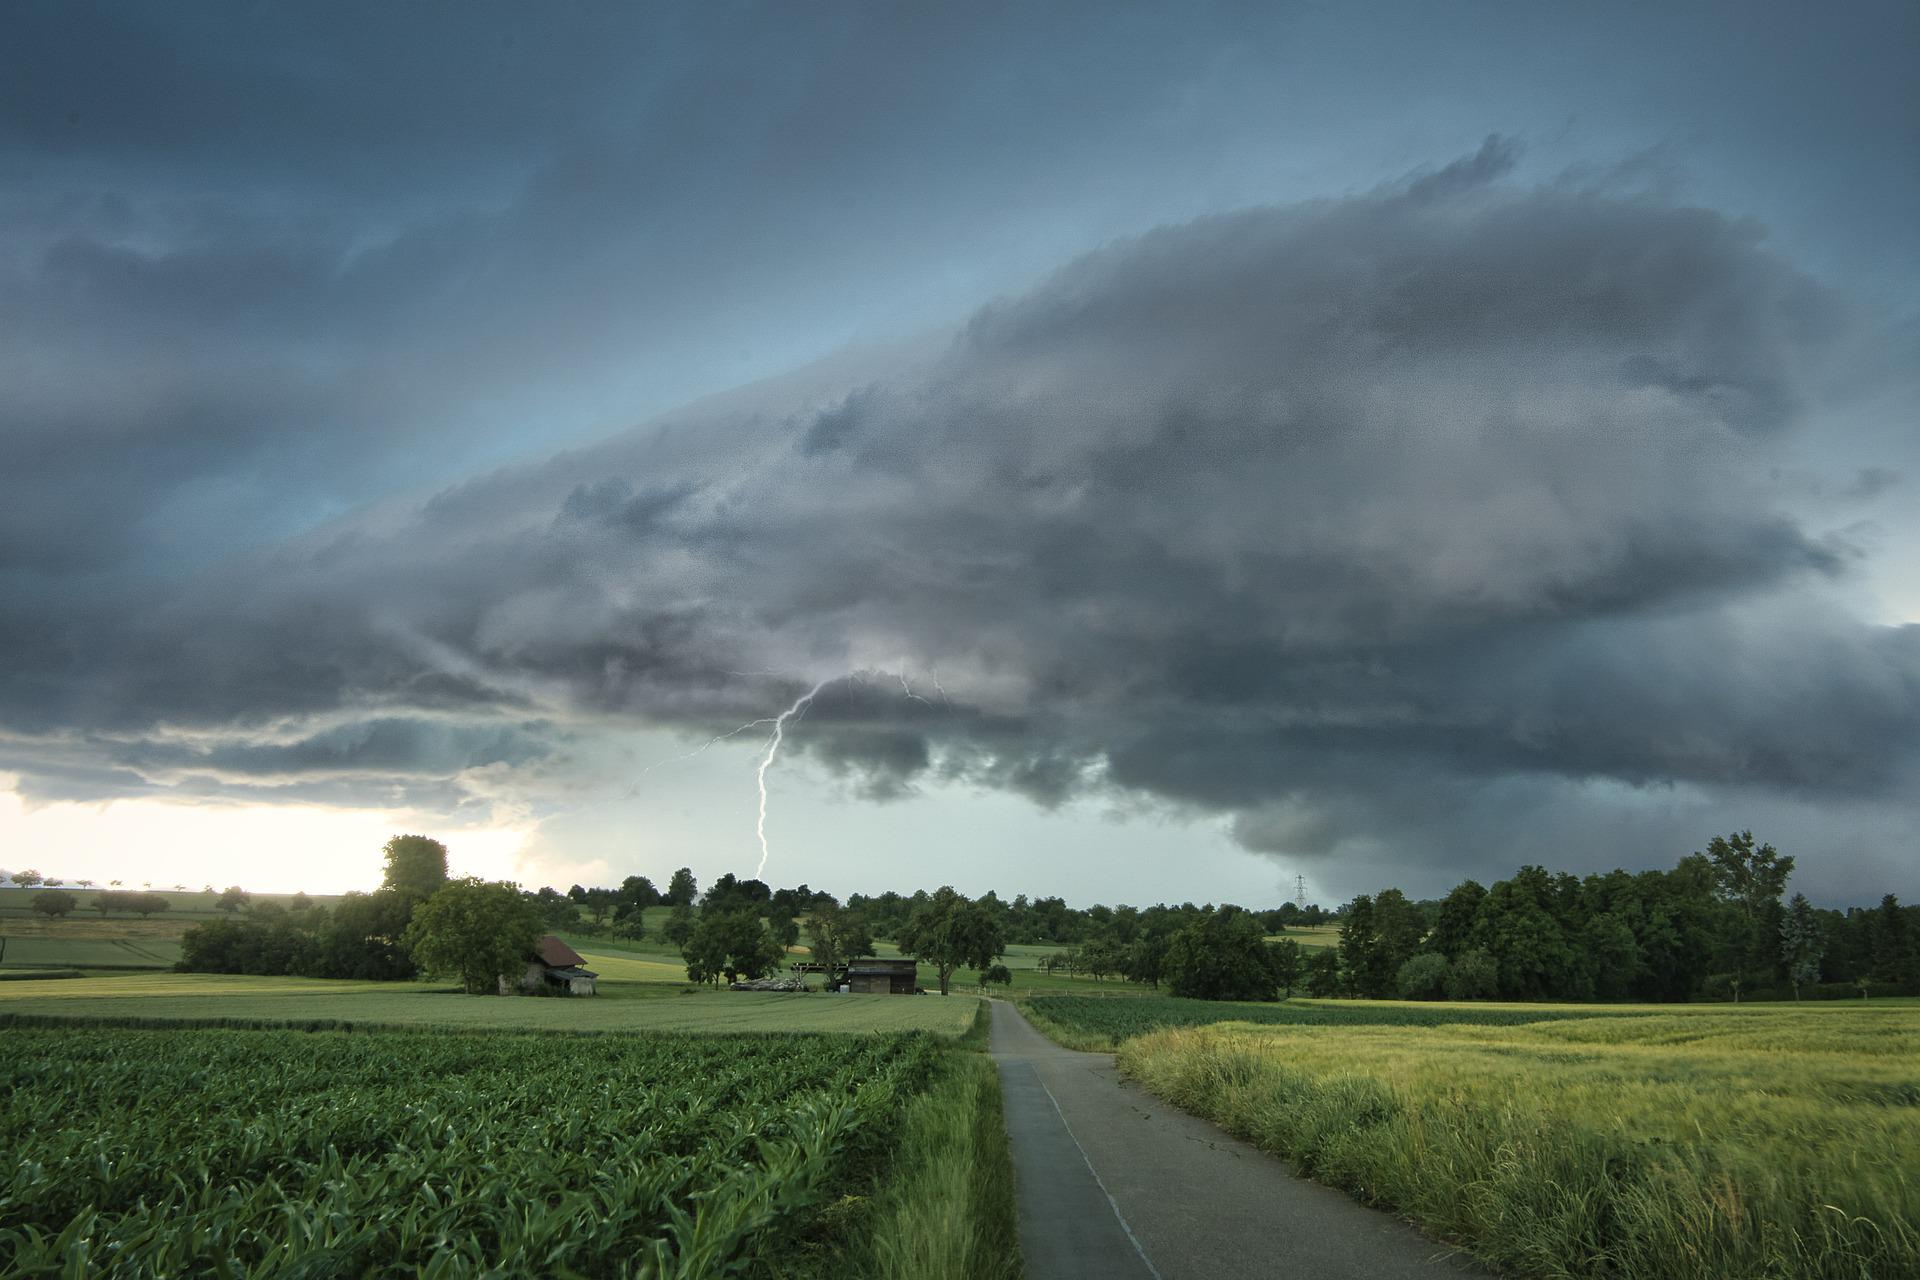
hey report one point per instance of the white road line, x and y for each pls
(1111, 1202)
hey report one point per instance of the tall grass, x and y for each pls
(948, 1211)
(1690, 1147)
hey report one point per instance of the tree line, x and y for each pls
(1715, 926)
(363, 935)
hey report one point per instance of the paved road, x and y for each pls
(1115, 1185)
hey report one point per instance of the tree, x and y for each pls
(146, 904)
(1401, 927)
(1517, 926)
(477, 929)
(1323, 974)
(1362, 966)
(683, 888)
(363, 937)
(54, 903)
(1748, 878)
(679, 926)
(636, 894)
(786, 931)
(1424, 977)
(27, 879)
(996, 973)
(731, 944)
(1145, 958)
(233, 899)
(949, 930)
(599, 902)
(106, 900)
(1894, 951)
(1802, 942)
(1221, 957)
(301, 902)
(416, 867)
(837, 935)
(1474, 975)
(1284, 957)
(1453, 930)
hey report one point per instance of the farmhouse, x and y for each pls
(555, 968)
(881, 977)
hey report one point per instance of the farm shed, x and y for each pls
(882, 977)
(553, 967)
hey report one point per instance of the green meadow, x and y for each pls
(622, 1006)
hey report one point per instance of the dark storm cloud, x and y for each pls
(1337, 518)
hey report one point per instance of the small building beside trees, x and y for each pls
(552, 967)
(871, 976)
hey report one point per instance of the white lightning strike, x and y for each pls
(799, 707)
(701, 749)
(911, 694)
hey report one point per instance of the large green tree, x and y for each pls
(731, 944)
(949, 931)
(416, 866)
(1223, 956)
(837, 935)
(1453, 931)
(1750, 878)
(1517, 925)
(683, 888)
(479, 930)
(1802, 942)
(1361, 969)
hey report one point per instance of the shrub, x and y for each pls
(1425, 977)
(1474, 976)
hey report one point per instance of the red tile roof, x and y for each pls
(557, 954)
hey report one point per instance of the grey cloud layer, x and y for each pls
(1334, 517)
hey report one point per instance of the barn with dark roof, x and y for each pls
(553, 968)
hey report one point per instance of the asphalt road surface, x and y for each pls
(1114, 1184)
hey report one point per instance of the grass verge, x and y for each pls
(947, 1210)
(1687, 1147)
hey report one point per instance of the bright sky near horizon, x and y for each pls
(1191, 446)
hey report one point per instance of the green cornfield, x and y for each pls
(288, 1154)
(1092, 1022)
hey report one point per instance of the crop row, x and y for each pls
(154, 1153)
(1118, 1019)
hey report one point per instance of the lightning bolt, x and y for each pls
(798, 708)
(780, 722)
(911, 694)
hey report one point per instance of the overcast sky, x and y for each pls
(1179, 448)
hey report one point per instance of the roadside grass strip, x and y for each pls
(278, 1154)
(1690, 1146)
(947, 1210)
